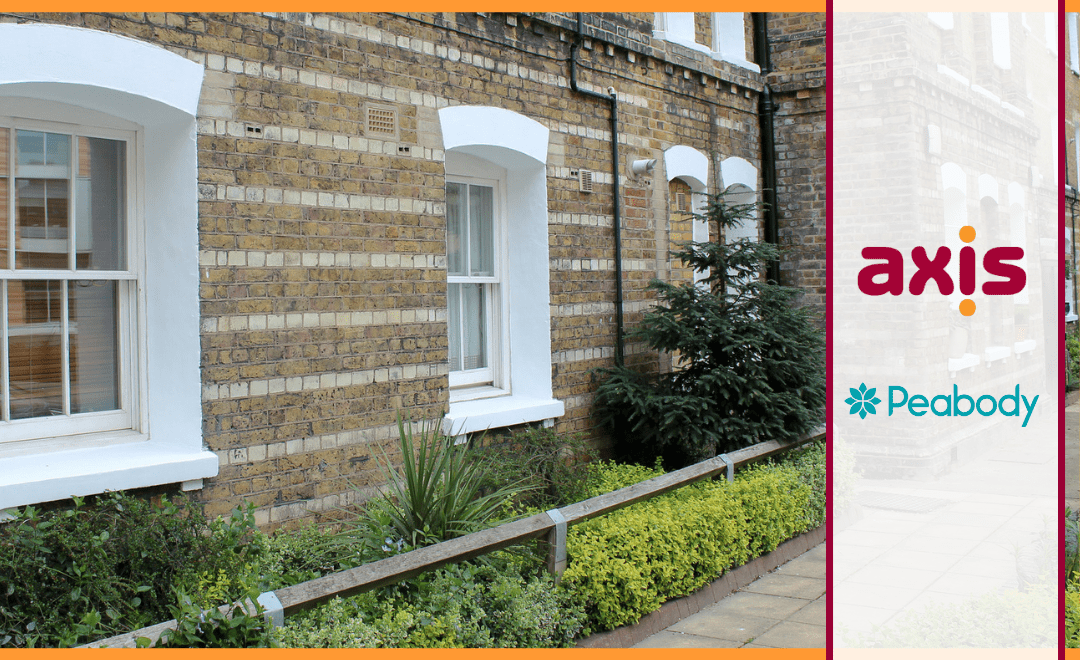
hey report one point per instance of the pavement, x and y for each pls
(784, 609)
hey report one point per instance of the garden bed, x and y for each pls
(621, 567)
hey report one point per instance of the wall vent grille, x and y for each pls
(381, 121)
(585, 181)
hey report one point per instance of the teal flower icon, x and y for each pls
(862, 400)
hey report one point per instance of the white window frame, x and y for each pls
(113, 81)
(38, 432)
(495, 143)
(1074, 46)
(729, 39)
(666, 26)
(492, 380)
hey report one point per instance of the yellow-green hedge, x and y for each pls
(624, 565)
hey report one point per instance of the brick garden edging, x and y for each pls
(674, 611)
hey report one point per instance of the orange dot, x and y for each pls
(967, 306)
(967, 234)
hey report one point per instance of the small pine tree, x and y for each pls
(750, 363)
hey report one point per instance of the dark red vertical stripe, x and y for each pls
(829, 326)
(1062, 351)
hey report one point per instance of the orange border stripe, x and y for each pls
(407, 5)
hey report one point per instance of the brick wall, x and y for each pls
(323, 242)
(797, 53)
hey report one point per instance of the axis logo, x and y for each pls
(956, 404)
(927, 269)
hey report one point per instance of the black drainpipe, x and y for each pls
(611, 98)
(768, 145)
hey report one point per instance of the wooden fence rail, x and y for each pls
(551, 525)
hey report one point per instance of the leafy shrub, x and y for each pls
(493, 604)
(435, 497)
(108, 565)
(624, 565)
(751, 362)
(199, 627)
(298, 555)
(1072, 614)
(1072, 544)
(552, 467)
(810, 463)
(611, 476)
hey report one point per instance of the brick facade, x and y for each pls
(322, 229)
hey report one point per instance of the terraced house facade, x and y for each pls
(236, 246)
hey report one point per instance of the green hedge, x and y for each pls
(624, 565)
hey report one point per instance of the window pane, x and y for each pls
(482, 260)
(31, 148)
(99, 204)
(92, 352)
(41, 223)
(38, 150)
(453, 303)
(455, 228)
(34, 348)
(475, 326)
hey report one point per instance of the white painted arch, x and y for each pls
(468, 127)
(688, 164)
(57, 54)
(738, 171)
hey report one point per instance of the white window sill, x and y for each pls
(484, 414)
(471, 393)
(686, 43)
(737, 61)
(46, 477)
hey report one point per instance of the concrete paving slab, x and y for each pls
(760, 605)
(724, 625)
(675, 640)
(813, 613)
(776, 584)
(793, 635)
(804, 566)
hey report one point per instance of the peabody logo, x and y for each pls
(863, 401)
(927, 269)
